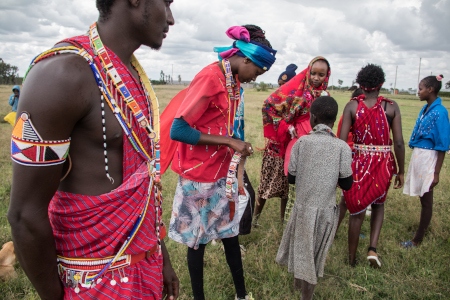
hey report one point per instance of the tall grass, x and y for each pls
(421, 273)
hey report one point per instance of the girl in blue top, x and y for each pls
(430, 140)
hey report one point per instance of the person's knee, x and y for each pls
(230, 242)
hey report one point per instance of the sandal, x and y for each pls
(373, 259)
(249, 296)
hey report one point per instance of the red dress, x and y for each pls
(373, 162)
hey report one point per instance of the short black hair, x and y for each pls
(257, 35)
(370, 77)
(325, 108)
(433, 82)
(104, 8)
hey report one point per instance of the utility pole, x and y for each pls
(395, 82)
(418, 76)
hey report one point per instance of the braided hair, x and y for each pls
(433, 82)
(104, 8)
(370, 77)
(257, 35)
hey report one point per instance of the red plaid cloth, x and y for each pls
(97, 226)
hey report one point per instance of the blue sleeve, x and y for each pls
(11, 100)
(442, 131)
(181, 131)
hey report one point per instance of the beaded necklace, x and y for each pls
(234, 94)
(153, 159)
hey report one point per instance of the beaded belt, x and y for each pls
(231, 177)
(82, 271)
(372, 148)
(74, 271)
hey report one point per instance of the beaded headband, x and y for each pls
(367, 89)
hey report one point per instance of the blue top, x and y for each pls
(13, 100)
(432, 129)
(181, 131)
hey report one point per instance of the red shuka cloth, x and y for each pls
(372, 171)
(97, 226)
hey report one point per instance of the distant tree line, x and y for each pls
(165, 79)
(9, 74)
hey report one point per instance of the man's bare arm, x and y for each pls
(54, 96)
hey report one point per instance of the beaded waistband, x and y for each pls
(372, 148)
(82, 271)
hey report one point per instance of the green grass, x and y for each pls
(422, 273)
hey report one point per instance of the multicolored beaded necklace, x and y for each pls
(234, 94)
(153, 159)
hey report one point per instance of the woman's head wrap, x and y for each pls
(261, 55)
(289, 73)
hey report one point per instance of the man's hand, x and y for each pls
(171, 283)
(399, 180)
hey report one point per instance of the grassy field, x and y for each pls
(422, 273)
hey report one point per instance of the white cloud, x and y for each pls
(350, 33)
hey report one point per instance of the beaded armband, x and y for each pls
(29, 149)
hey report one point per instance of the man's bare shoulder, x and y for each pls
(61, 87)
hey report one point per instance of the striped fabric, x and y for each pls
(372, 171)
(97, 226)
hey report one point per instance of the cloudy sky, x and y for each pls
(349, 33)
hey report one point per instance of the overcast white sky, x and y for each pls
(349, 33)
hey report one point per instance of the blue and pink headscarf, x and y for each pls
(261, 55)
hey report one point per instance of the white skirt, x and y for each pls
(420, 172)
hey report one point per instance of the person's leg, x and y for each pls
(376, 222)
(195, 266)
(354, 228)
(283, 204)
(342, 211)
(234, 260)
(425, 216)
(307, 290)
(260, 202)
